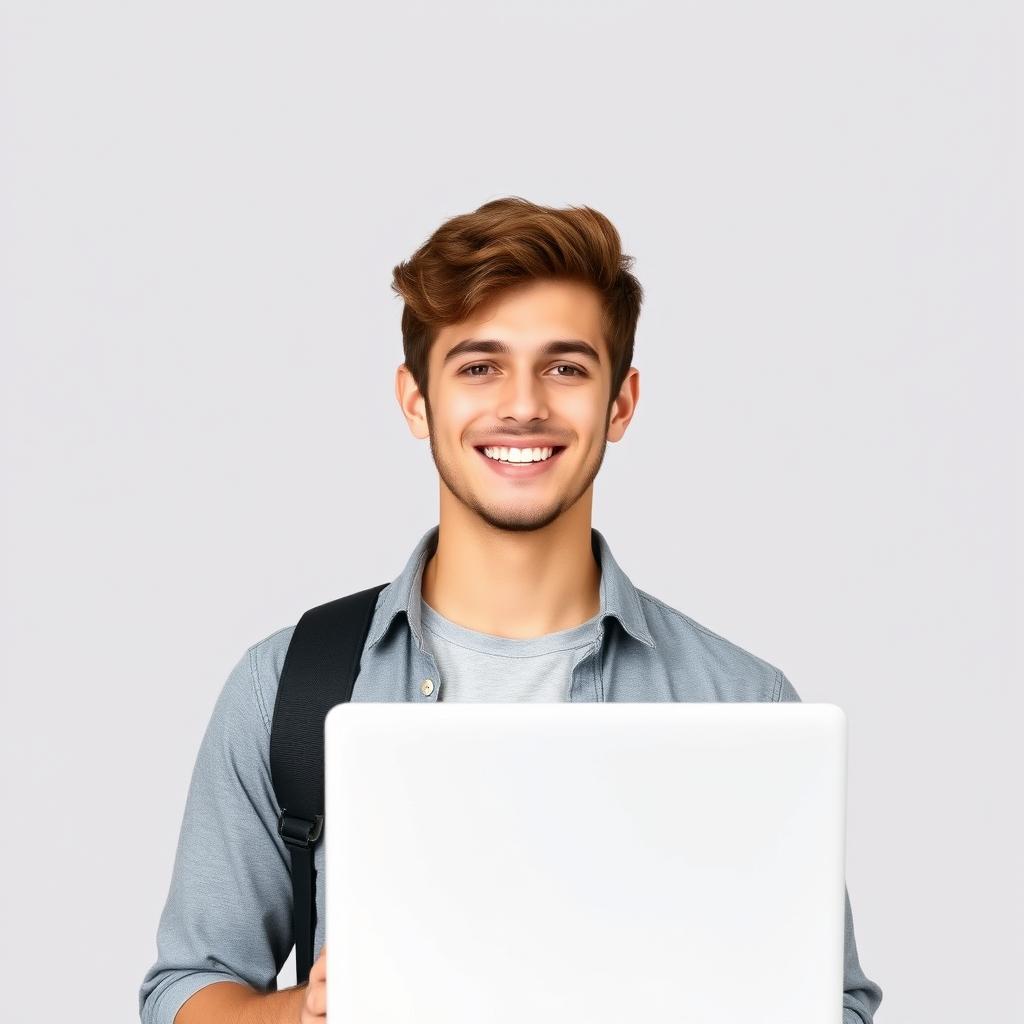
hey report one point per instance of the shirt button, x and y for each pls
(427, 687)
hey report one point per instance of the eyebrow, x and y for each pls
(492, 346)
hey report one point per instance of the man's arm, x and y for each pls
(226, 1002)
(227, 919)
(861, 995)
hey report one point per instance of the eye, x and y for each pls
(576, 371)
(475, 366)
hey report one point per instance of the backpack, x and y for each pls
(320, 668)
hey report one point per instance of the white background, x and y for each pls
(201, 207)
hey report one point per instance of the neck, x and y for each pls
(514, 584)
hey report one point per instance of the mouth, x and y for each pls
(521, 470)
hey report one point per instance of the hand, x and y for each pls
(314, 1008)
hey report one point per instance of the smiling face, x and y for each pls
(529, 370)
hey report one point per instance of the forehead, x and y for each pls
(532, 314)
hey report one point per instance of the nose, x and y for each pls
(522, 397)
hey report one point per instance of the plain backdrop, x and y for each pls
(201, 207)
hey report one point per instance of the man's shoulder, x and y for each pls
(732, 671)
(266, 660)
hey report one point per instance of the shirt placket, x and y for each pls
(586, 685)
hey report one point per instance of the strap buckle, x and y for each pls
(299, 832)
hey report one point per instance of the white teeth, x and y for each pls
(519, 454)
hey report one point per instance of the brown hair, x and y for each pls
(470, 258)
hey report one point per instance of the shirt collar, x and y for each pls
(619, 598)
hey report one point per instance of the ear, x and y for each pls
(411, 401)
(624, 405)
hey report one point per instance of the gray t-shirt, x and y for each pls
(478, 667)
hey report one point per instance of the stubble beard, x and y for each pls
(513, 520)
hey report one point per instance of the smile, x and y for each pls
(520, 470)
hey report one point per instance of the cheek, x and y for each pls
(577, 405)
(581, 416)
(463, 407)
(453, 413)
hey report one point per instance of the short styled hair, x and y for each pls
(474, 256)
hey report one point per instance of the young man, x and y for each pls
(518, 334)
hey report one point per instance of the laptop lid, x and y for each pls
(597, 863)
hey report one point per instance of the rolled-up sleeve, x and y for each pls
(861, 996)
(228, 910)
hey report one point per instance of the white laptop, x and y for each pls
(585, 863)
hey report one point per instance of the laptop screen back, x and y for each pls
(585, 863)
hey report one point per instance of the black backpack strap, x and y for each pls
(320, 668)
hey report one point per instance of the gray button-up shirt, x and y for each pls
(228, 911)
